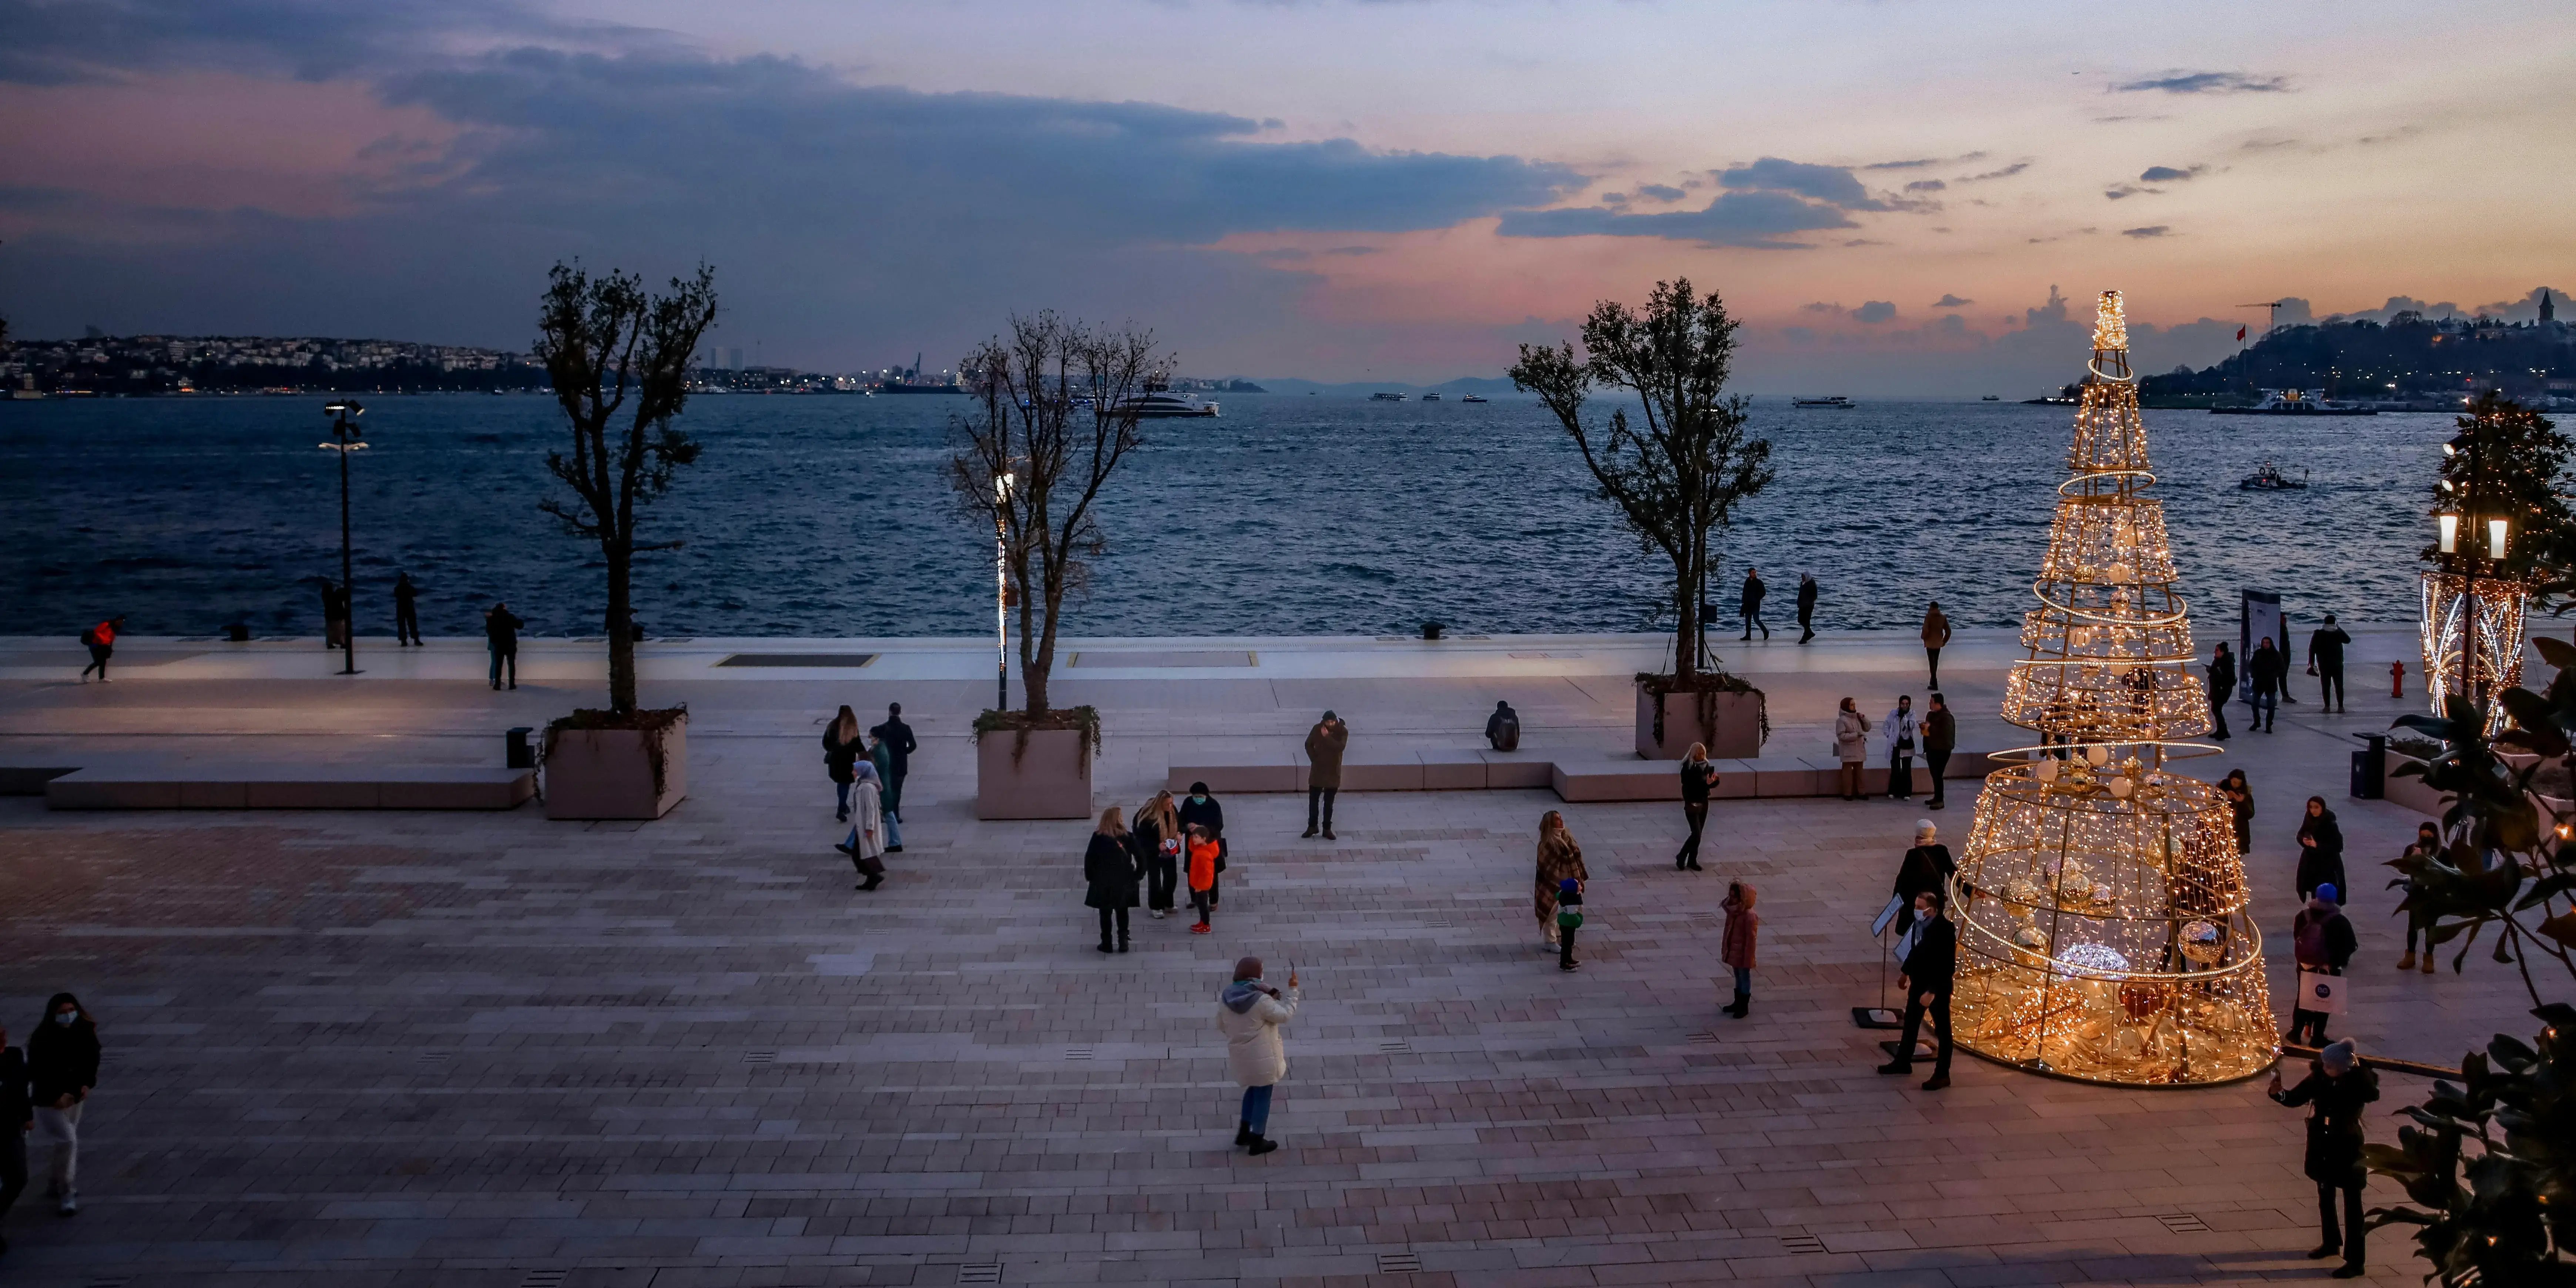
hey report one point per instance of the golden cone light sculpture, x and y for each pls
(2104, 932)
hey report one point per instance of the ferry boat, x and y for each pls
(1160, 403)
(1430, 397)
(1832, 400)
(2296, 402)
(1475, 398)
(1386, 397)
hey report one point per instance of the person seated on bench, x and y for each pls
(1503, 728)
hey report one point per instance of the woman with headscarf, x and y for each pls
(881, 757)
(866, 845)
(1109, 877)
(1157, 839)
(62, 1069)
(2320, 850)
(1851, 746)
(1560, 859)
(2240, 804)
(841, 747)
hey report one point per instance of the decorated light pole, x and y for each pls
(344, 440)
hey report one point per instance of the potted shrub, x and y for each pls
(1676, 480)
(619, 359)
(1054, 412)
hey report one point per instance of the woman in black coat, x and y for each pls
(2320, 850)
(62, 1069)
(2336, 1088)
(842, 747)
(1109, 872)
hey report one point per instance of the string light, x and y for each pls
(2105, 933)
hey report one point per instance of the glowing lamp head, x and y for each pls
(2495, 538)
(2450, 533)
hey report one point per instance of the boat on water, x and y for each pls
(1475, 398)
(1160, 403)
(1386, 397)
(1830, 400)
(2271, 479)
(1430, 397)
(2296, 402)
(1990, 398)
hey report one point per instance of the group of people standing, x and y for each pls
(867, 772)
(1171, 840)
(2267, 678)
(1934, 735)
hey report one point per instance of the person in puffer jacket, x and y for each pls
(1249, 1014)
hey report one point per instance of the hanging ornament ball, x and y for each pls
(2097, 755)
(2094, 957)
(2202, 942)
(2141, 1000)
(2032, 938)
(2047, 770)
(2121, 787)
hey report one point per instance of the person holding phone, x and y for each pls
(1249, 1013)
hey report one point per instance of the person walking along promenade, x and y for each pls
(2419, 920)
(1204, 853)
(1569, 918)
(881, 759)
(1940, 738)
(501, 635)
(1928, 956)
(866, 845)
(2240, 804)
(335, 615)
(2325, 661)
(2270, 672)
(841, 758)
(2320, 849)
(1751, 603)
(62, 1071)
(406, 611)
(899, 744)
(1158, 847)
(1735, 944)
(1936, 636)
(2336, 1088)
(2322, 941)
(1926, 867)
(1851, 746)
(1698, 776)
(1902, 736)
(2222, 683)
(17, 1118)
(1325, 744)
(1806, 606)
(1109, 873)
(1249, 1014)
(101, 642)
(1560, 859)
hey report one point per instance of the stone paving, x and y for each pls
(364, 1049)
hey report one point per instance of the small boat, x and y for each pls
(1430, 397)
(2295, 402)
(2270, 479)
(1990, 398)
(1834, 400)
(1386, 397)
(1475, 398)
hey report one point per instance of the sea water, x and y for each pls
(832, 516)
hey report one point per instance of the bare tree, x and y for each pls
(1680, 475)
(619, 360)
(1055, 409)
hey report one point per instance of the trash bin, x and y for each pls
(522, 756)
(2370, 768)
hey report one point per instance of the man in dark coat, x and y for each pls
(2222, 682)
(1325, 744)
(2325, 661)
(1751, 603)
(335, 616)
(1503, 728)
(2270, 672)
(406, 611)
(1110, 873)
(1940, 738)
(1806, 606)
(1200, 809)
(899, 745)
(1929, 958)
(2334, 1091)
(501, 634)
(1927, 868)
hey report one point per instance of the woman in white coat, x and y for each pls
(1249, 1014)
(1851, 746)
(867, 844)
(1904, 739)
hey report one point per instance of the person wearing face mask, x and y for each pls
(1929, 956)
(17, 1116)
(62, 1069)
(1201, 810)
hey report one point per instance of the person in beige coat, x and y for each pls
(1249, 1013)
(1324, 746)
(1851, 746)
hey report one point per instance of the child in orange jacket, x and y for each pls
(1203, 850)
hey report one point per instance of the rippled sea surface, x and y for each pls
(1287, 515)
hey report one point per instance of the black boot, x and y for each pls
(874, 880)
(1243, 1135)
(1743, 1005)
(1262, 1145)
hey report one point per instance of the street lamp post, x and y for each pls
(344, 440)
(1001, 595)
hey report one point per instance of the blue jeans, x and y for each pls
(842, 790)
(1744, 979)
(1256, 1108)
(2267, 708)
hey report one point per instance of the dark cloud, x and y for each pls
(1819, 306)
(1754, 220)
(2118, 191)
(1861, 241)
(2170, 174)
(2151, 230)
(1874, 312)
(1659, 191)
(1614, 199)
(2007, 172)
(1355, 250)
(2205, 83)
(1831, 184)
(1949, 301)
(55, 42)
(1921, 162)
(1926, 185)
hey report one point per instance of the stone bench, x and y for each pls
(255, 786)
(1575, 775)
(30, 780)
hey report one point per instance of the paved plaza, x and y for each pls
(489, 1049)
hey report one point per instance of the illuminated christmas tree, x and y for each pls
(2104, 933)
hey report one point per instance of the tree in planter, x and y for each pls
(1054, 412)
(2490, 1161)
(619, 360)
(1677, 476)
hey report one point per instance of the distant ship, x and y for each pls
(2295, 402)
(1386, 397)
(1160, 403)
(1475, 398)
(910, 381)
(1430, 397)
(2270, 479)
(1990, 398)
(1834, 400)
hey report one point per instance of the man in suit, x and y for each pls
(1929, 960)
(900, 744)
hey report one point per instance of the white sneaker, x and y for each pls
(1155, 913)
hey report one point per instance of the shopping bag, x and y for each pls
(2320, 992)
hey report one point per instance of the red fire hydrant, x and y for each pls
(2397, 679)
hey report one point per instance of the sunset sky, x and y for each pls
(1887, 193)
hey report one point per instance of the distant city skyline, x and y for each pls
(1893, 199)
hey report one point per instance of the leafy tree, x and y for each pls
(1054, 412)
(619, 360)
(2510, 462)
(1678, 473)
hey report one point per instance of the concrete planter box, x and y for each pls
(2408, 792)
(608, 773)
(1738, 735)
(1051, 779)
